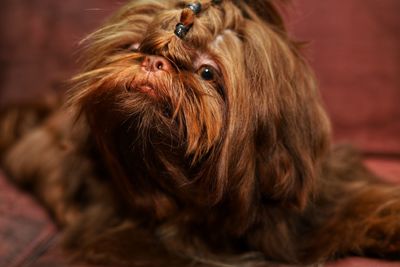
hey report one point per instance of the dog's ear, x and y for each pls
(292, 138)
(267, 10)
(291, 128)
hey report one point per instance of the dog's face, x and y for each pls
(226, 113)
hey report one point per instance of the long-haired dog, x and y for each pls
(195, 136)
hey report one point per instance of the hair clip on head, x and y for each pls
(181, 30)
(195, 7)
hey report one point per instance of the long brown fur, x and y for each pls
(237, 171)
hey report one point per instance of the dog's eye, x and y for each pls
(207, 73)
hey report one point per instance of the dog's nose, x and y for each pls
(156, 63)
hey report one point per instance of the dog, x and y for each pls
(195, 136)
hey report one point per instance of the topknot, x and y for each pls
(188, 16)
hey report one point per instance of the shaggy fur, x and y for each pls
(153, 163)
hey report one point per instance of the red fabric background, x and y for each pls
(39, 43)
(355, 51)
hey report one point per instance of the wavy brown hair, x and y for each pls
(211, 168)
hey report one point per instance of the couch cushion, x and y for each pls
(25, 228)
(362, 262)
(38, 48)
(355, 51)
(387, 169)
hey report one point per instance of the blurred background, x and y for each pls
(354, 49)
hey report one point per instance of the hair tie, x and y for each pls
(186, 21)
(181, 30)
(195, 7)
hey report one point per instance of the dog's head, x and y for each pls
(204, 106)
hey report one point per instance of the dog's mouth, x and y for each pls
(147, 89)
(145, 84)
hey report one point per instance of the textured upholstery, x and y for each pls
(25, 228)
(355, 51)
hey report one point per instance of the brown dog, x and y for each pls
(194, 136)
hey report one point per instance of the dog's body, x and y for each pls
(207, 145)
